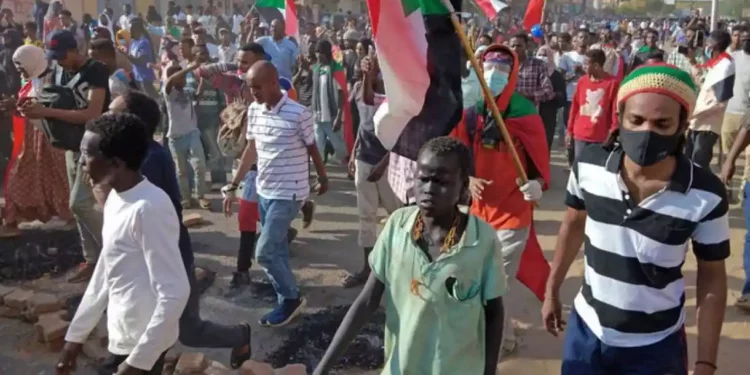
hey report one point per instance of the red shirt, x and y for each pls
(593, 112)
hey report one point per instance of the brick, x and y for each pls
(216, 368)
(256, 368)
(4, 291)
(9, 312)
(192, 220)
(191, 363)
(295, 369)
(18, 298)
(50, 328)
(42, 303)
(170, 362)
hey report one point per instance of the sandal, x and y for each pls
(237, 359)
(355, 280)
(7, 232)
(743, 302)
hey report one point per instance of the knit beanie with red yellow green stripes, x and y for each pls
(662, 79)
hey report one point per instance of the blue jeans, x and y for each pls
(746, 250)
(272, 249)
(584, 354)
(187, 150)
(323, 131)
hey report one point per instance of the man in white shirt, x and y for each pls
(138, 278)
(127, 16)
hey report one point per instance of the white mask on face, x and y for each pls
(496, 80)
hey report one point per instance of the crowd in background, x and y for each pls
(233, 103)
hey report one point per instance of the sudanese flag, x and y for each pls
(419, 54)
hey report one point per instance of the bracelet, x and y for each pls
(709, 364)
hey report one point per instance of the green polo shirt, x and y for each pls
(441, 331)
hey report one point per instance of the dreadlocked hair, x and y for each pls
(614, 136)
(449, 146)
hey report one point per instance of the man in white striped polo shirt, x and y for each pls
(280, 139)
(635, 203)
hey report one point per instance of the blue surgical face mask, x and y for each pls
(707, 52)
(496, 80)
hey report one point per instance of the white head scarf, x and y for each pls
(109, 25)
(32, 59)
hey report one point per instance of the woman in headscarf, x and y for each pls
(52, 19)
(548, 110)
(36, 184)
(105, 22)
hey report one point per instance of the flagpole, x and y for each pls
(487, 93)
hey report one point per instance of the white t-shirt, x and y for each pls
(140, 257)
(182, 117)
(281, 136)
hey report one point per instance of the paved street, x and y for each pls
(321, 256)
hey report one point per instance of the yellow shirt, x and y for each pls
(36, 42)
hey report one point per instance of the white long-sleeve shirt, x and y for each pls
(139, 277)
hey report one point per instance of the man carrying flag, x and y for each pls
(496, 196)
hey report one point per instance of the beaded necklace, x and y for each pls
(418, 234)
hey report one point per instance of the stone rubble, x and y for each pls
(51, 321)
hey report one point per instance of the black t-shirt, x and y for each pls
(93, 75)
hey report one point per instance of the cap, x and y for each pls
(59, 42)
(223, 30)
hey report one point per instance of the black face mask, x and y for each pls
(746, 46)
(646, 147)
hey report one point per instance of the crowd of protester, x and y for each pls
(117, 124)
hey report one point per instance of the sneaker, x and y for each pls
(84, 273)
(308, 213)
(204, 203)
(240, 280)
(743, 302)
(284, 313)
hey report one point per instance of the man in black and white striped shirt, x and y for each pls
(634, 204)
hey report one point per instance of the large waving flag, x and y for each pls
(534, 14)
(280, 9)
(420, 57)
(491, 7)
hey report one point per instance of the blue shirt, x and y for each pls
(138, 49)
(159, 169)
(283, 54)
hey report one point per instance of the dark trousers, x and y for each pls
(548, 113)
(584, 354)
(111, 364)
(700, 147)
(198, 333)
(6, 142)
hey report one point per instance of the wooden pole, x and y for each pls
(487, 93)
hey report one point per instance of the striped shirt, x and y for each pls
(281, 136)
(633, 292)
